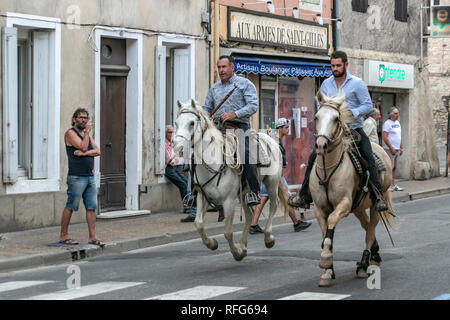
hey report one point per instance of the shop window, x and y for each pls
(401, 10)
(269, 105)
(360, 5)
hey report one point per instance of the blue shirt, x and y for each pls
(243, 101)
(357, 97)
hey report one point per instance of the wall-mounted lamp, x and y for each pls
(295, 12)
(270, 7)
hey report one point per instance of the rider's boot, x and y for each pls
(303, 198)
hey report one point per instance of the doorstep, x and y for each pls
(122, 214)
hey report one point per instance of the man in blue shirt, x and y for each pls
(360, 104)
(235, 112)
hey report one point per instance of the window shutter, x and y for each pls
(40, 98)
(181, 77)
(160, 108)
(360, 5)
(401, 10)
(10, 105)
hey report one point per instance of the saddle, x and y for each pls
(262, 147)
(361, 167)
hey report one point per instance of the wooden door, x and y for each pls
(112, 160)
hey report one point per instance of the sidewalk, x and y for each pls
(26, 249)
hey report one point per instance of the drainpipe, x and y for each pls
(336, 31)
(215, 39)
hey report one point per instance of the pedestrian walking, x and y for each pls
(392, 137)
(81, 150)
(283, 129)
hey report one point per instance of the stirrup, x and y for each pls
(252, 199)
(380, 205)
(190, 200)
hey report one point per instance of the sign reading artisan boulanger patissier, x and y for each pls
(259, 29)
(388, 75)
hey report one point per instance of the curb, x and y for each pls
(84, 252)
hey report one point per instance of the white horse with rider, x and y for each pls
(217, 174)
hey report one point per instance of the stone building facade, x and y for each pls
(127, 62)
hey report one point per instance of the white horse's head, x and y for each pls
(332, 116)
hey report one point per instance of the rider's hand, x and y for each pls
(227, 116)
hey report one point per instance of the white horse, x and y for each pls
(217, 179)
(334, 183)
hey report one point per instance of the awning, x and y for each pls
(281, 67)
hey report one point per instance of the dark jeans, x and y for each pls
(365, 149)
(178, 179)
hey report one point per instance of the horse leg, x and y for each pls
(248, 219)
(269, 239)
(210, 243)
(375, 258)
(328, 275)
(236, 250)
(326, 257)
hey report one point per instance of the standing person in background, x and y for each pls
(370, 126)
(283, 129)
(81, 150)
(392, 137)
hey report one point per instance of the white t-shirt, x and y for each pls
(394, 133)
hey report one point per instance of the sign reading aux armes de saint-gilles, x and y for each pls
(388, 75)
(269, 31)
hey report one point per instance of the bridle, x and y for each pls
(338, 132)
(192, 136)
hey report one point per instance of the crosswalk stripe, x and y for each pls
(316, 296)
(85, 291)
(445, 296)
(197, 293)
(15, 285)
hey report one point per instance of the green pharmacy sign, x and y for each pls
(388, 75)
(391, 73)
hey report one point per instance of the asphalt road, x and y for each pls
(415, 269)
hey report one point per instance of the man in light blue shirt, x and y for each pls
(235, 113)
(360, 104)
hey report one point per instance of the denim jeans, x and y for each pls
(178, 179)
(81, 187)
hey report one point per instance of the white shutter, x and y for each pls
(10, 105)
(40, 107)
(181, 77)
(160, 108)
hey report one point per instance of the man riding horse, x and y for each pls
(359, 103)
(231, 101)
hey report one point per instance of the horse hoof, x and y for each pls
(325, 283)
(361, 273)
(326, 278)
(239, 257)
(270, 244)
(214, 245)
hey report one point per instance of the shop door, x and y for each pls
(296, 102)
(384, 102)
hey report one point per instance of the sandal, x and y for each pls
(69, 241)
(96, 242)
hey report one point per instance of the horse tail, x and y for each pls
(283, 197)
(389, 216)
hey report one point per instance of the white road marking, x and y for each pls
(15, 285)
(197, 293)
(85, 291)
(316, 296)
